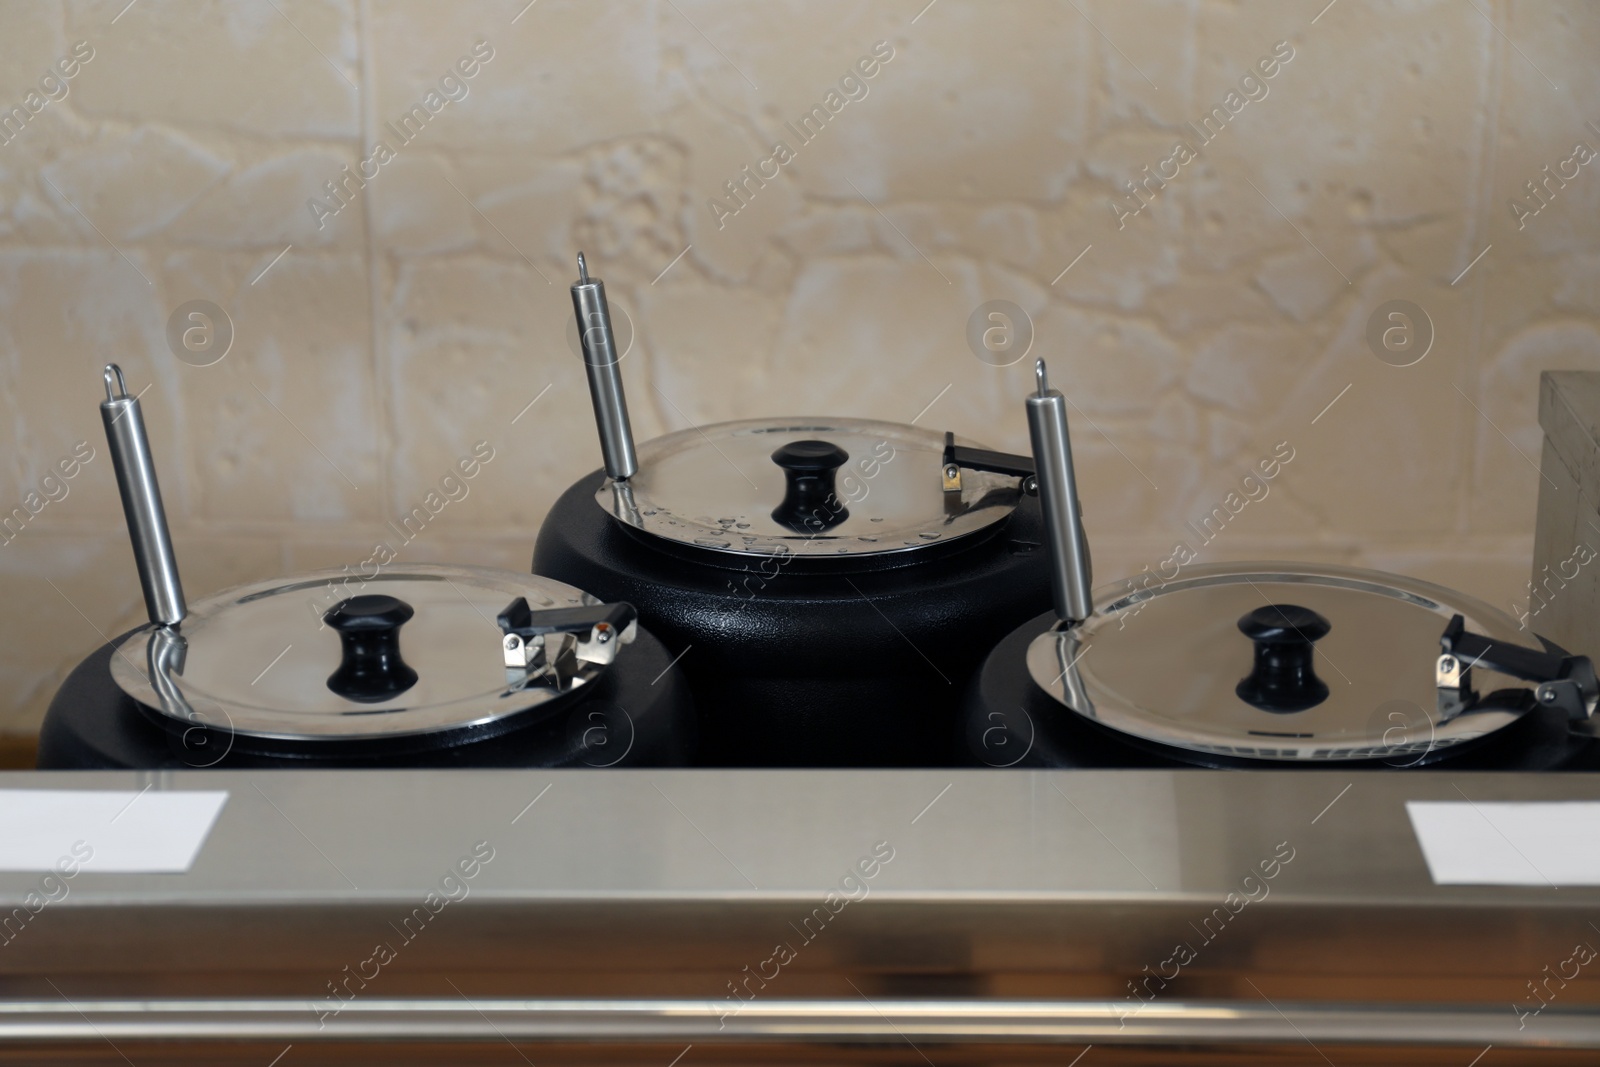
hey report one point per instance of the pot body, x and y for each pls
(1008, 721)
(623, 719)
(813, 661)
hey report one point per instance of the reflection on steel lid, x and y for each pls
(805, 486)
(1272, 661)
(329, 657)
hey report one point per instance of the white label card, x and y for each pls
(1553, 843)
(105, 832)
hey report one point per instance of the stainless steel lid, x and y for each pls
(1273, 661)
(430, 655)
(805, 486)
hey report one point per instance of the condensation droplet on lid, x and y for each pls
(742, 525)
(928, 535)
(876, 520)
(712, 542)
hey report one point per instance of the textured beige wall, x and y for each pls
(371, 351)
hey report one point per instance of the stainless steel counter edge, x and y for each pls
(1130, 837)
(924, 1021)
(940, 897)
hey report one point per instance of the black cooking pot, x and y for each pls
(1261, 664)
(625, 721)
(1271, 666)
(408, 666)
(828, 585)
(426, 667)
(825, 584)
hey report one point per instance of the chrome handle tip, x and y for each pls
(583, 270)
(1039, 376)
(121, 384)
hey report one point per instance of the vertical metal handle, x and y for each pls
(141, 502)
(605, 375)
(1070, 571)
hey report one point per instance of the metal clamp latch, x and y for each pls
(536, 639)
(1565, 682)
(982, 459)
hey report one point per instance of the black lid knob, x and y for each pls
(810, 503)
(1283, 679)
(368, 613)
(810, 456)
(1284, 624)
(371, 670)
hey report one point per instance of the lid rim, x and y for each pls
(1198, 719)
(460, 698)
(715, 488)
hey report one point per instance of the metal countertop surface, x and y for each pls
(358, 836)
(622, 907)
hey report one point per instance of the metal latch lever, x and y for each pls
(1564, 681)
(531, 639)
(983, 459)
